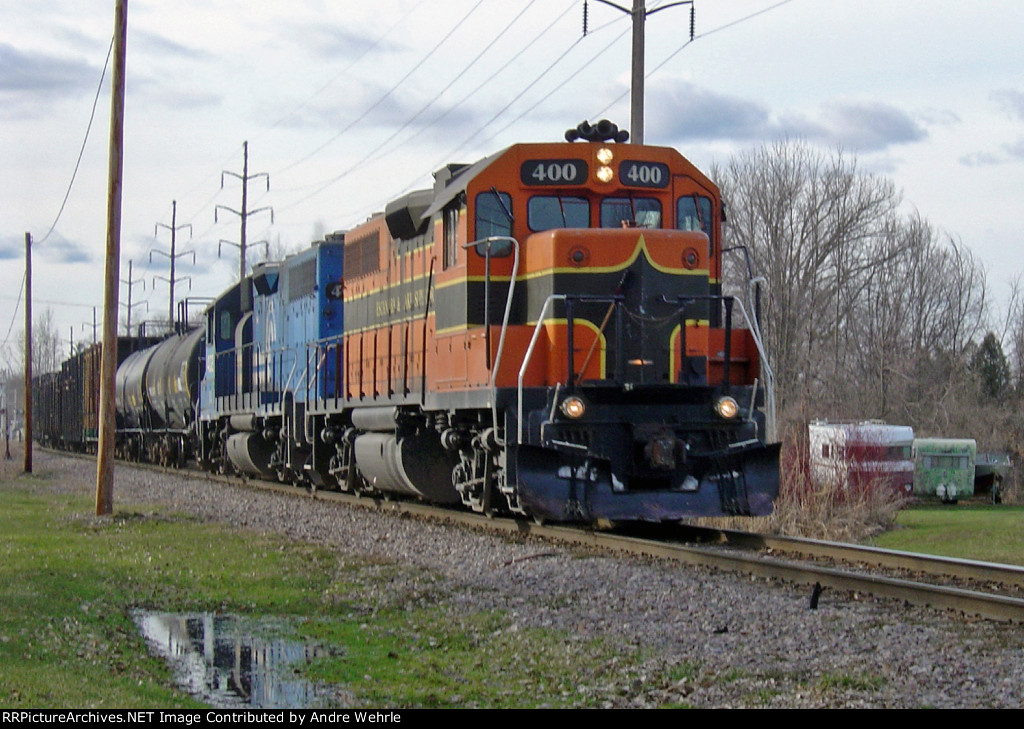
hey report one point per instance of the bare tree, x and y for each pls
(809, 222)
(868, 313)
(47, 346)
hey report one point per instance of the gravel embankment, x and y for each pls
(755, 643)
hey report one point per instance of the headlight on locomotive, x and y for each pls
(573, 407)
(726, 407)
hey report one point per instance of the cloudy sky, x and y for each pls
(347, 104)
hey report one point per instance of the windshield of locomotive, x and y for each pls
(545, 212)
(624, 212)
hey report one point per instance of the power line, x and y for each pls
(92, 115)
(292, 111)
(537, 37)
(67, 194)
(320, 187)
(387, 93)
(680, 49)
(344, 70)
(14, 316)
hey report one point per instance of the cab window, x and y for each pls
(451, 234)
(624, 212)
(493, 214)
(693, 212)
(227, 329)
(547, 212)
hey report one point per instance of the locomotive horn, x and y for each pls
(605, 130)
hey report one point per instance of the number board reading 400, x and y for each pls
(644, 174)
(553, 172)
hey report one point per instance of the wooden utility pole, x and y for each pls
(639, 14)
(108, 366)
(28, 353)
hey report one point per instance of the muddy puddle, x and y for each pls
(233, 663)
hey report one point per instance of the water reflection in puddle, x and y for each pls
(230, 664)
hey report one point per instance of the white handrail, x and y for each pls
(769, 376)
(526, 360)
(504, 322)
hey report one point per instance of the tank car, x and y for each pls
(544, 332)
(156, 389)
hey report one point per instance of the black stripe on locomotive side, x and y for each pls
(462, 304)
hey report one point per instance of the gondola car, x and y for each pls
(66, 401)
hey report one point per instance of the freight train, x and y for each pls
(542, 333)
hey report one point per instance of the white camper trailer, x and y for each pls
(862, 454)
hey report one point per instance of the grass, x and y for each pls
(991, 533)
(424, 659)
(848, 682)
(72, 580)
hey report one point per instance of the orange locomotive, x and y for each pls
(543, 332)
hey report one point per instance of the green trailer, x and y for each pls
(944, 468)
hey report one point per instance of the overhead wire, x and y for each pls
(376, 42)
(372, 46)
(305, 102)
(697, 37)
(369, 156)
(88, 128)
(67, 193)
(583, 67)
(387, 93)
(465, 142)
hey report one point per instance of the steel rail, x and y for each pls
(988, 605)
(1006, 574)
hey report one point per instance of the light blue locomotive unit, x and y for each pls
(267, 340)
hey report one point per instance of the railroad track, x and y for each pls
(988, 594)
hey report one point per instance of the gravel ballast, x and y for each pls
(752, 642)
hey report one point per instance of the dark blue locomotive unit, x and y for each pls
(543, 333)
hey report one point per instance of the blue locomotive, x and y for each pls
(267, 339)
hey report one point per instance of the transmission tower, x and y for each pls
(174, 228)
(130, 283)
(244, 213)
